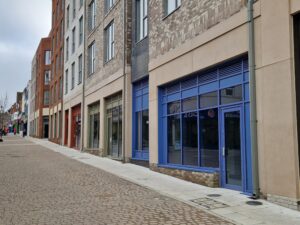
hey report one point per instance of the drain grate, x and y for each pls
(254, 203)
(209, 203)
(214, 195)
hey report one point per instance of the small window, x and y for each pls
(73, 40)
(91, 59)
(74, 9)
(73, 75)
(48, 57)
(47, 77)
(80, 30)
(92, 15)
(171, 5)
(68, 16)
(142, 19)
(67, 49)
(66, 81)
(109, 42)
(80, 69)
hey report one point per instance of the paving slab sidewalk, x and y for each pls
(228, 204)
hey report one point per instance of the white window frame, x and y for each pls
(91, 58)
(80, 69)
(92, 15)
(66, 81)
(72, 75)
(80, 30)
(142, 19)
(47, 57)
(171, 6)
(108, 5)
(74, 9)
(73, 39)
(67, 49)
(109, 42)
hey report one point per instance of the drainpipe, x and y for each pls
(253, 110)
(83, 85)
(124, 82)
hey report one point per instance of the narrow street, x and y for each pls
(39, 186)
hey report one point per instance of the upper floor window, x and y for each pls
(68, 16)
(74, 9)
(171, 5)
(109, 4)
(48, 57)
(46, 97)
(67, 49)
(80, 69)
(73, 76)
(62, 30)
(91, 59)
(47, 77)
(60, 88)
(80, 30)
(80, 3)
(142, 19)
(73, 40)
(92, 15)
(66, 81)
(109, 42)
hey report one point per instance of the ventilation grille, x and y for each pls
(212, 75)
(230, 70)
(189, 83)
(173, 88)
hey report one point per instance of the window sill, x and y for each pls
(166, 16)
(109, 10)
(139, 41)
(107, 62)
(189, 168)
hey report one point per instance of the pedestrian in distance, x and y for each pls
(1, 132)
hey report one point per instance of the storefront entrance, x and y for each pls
(114, 126)
(231, 146)
(76, 127)
(205, 124)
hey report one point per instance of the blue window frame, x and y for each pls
(190, 119)
(140, 137)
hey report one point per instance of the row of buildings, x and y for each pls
(207, 91)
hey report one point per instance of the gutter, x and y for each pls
(124, 82)
(253, 109)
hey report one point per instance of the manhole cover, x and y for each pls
(254, 203)
(209, 203)
(214, 195)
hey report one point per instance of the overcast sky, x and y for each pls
(22, 24)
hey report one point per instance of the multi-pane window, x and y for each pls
(60, 88)
(48, 57)
(109, 4)
(80, 69)
(109, 42)
(66, 81)
(68, 16)
(73, 39)
(46, 97)
(73, 75)
(142, 18)
(67, 49)
(74, 9)
(91, 59)
(47, 77)
(171, 5)
(92, 15)
(80, 30)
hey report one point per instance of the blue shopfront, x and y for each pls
(140, 136)
(204, 124)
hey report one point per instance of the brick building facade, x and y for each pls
(56, 83)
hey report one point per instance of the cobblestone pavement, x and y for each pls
(38, 186)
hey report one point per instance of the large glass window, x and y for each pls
(94, 125)
(142, 19)
(174, 140)
(209, 138)
(209, 99)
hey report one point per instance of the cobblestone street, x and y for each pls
(38, 186)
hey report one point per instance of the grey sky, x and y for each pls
(22, 24)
